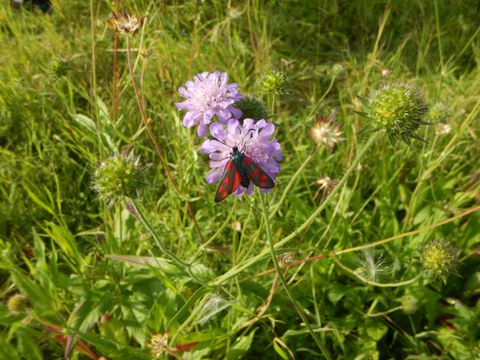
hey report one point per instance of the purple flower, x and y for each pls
(252, 139)
(208, 95)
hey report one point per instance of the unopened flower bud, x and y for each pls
(399, 109)
(439, 259)
(119, 176)
(252, 108)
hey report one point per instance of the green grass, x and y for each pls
(357, 287)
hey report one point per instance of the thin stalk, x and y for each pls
(279, 273)
(186, 266)
(374, 283)
(155, 143)
(384, 241)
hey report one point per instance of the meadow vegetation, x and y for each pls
(367, 247)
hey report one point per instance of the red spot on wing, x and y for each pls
(247, 161)
(255, 172)
(238, 179)
(229, 182)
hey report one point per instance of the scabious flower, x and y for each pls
(125, 24)
(252, 138)
(326, 132)
(208, 95)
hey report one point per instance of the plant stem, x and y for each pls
(297, 306)
(155, 143)
(162, 247)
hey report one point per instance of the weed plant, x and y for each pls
(111, 243)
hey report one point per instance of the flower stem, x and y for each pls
(374, 283)
(295, 304)
(162, 247)
(155, 143)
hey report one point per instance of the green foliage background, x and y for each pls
(95, 275)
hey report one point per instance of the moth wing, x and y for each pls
(257, 175)
(229, 181)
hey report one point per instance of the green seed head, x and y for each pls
(337, 70)
(397, 108)
(439, 259)
(252, 108)
(274, 82)
(58, 68)
(409, 304)
(438, 113)
(118, 177)
(17, 304)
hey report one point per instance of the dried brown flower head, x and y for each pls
(125, 24)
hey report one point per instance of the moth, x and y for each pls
(240, 170)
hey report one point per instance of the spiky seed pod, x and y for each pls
(409, 304)
(399, 109)
(120, 176)
(58, 68)
(337, 70)
(274, 82)
(438, 113)
(439, 259)
(17, 304)
(252, 108)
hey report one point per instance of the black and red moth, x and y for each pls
(240, 170)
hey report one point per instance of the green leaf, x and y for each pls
(375, 328)
(335, 292)
(240, 347)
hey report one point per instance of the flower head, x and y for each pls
(438, 113)
(159, 345)
(439, 258)
(252, 139)
(206, 96)
(443, 129)
(327, 184)
(58, 68)
(125, 24)
(274, 82)
(120, 176)
(252, 108)
(397, 108)
(326, 132)
(17, 304)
